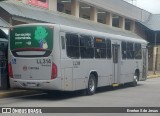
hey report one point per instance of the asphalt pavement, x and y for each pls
(18, 92)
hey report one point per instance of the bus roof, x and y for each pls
(90, 32)
(101, 34)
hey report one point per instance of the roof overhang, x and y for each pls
(153, 22)
(3, 34)
(33, 14)
(4, 24)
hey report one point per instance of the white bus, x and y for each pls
(58, 57)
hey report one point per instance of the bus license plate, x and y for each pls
(31, 84)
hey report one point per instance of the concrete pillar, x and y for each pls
(53, 5)
(122, 23)
(109, 19)
(154, 59)
(158, 58)
(75, 8)
(133, 26)
(93, 14)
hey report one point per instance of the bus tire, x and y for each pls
(135, 80)
(92, 85)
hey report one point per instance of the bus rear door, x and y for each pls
(116, 64)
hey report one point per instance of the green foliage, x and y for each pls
(40, 33)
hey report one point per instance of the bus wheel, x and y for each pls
(92, 85)
(135, 80)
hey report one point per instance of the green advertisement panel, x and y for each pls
(31, 37)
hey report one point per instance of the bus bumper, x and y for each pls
(36, 84)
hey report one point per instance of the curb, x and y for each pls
(153, 76)
(16, 93)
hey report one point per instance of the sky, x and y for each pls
(152, 6)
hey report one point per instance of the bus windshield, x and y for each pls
(31, 41)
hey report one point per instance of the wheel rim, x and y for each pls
(91, 85)
(136, 79)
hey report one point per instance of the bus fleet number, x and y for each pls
(43, 61)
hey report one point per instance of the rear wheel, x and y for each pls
(92, 85)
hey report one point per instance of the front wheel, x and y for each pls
(92, 85)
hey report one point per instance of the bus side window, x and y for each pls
(100, 48)
(130, 51)
(63, 42)
(109, 52)
(138, 51)
(124, 52)
(72, 45)
(86, 46)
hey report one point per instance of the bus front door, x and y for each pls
(116, 64)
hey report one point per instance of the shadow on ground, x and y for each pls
(60, 95)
